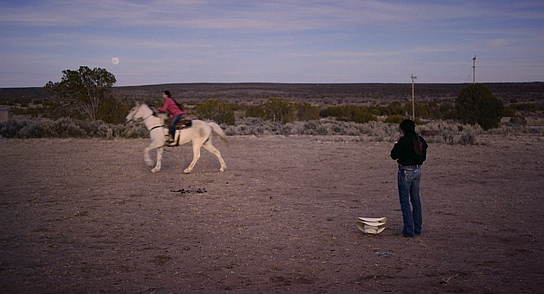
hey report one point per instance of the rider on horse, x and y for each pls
(174, 110)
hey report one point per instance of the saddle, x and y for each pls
(182, 124)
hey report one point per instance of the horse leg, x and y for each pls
(157, 167)
(196, 156)
(154, 145)
(147, 159)
(208, 146)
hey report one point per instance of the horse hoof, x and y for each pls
(186, 171)
(155, 170)
(222, 169)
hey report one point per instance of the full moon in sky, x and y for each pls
(115, 60)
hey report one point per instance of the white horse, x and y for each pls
(200, 132)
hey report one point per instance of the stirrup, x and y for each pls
(170, 142)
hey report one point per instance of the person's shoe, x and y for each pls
(406, 235)
(170, 142)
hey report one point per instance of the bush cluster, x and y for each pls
(476, 108)
(217, 111)
(110, 110)
(476, 104)
(69, 128)
(439, 131)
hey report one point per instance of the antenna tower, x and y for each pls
(474, 70)
(413, 99)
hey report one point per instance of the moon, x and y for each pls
(115, 60)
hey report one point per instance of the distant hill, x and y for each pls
(356, 94)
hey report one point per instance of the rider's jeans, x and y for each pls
(408, 183)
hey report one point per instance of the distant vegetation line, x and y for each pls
(246, 91)
(445, 132)
(372, 110)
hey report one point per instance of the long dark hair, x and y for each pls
(409, 128)
(170, 96)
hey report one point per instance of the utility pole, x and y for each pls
(413, 99)
(474, 70)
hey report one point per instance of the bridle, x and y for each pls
(144, 119)
(134, 113)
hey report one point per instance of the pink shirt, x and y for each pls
(171, 107)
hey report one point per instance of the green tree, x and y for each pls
(112, 111)
(476, 104)
(85, 88)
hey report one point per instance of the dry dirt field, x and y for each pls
(87, 216)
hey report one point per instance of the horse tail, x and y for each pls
(217, 129)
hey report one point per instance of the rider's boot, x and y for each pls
(170, 141)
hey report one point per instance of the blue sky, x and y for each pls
(291, 41)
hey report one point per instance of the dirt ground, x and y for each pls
(88, 216)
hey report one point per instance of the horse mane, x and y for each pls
(155, 113)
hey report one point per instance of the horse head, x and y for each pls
(131, 116)
(142, 111)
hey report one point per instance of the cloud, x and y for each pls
(282, 15)
(266, 39)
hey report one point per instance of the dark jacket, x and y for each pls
(404, 152)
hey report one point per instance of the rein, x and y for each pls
(151, 129)
(152, 114)
(155, 128)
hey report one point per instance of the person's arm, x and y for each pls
(425, 146)
(397, 150)
(164, 108)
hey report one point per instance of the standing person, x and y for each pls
(410, 151)
(174, 110)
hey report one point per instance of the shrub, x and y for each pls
(509, 112)
(518, 120)
(64, 128)
(34, 130)
(394, 119)
(10, 128)
(467, 139)
(306, 112)
(111, 110)
(395, 107)
(255, 111)
(421, 110)
(448, 111)
(69, 128)
(352, 113)
(477, 105)
(529, 107)
(279, 109)
(384, 110)
(216, 110)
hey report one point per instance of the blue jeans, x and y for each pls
(408, 182)
(175, 120)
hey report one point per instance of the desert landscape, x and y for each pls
(88, 216)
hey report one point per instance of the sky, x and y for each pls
(273, 41)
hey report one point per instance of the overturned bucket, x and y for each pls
(371, 225)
